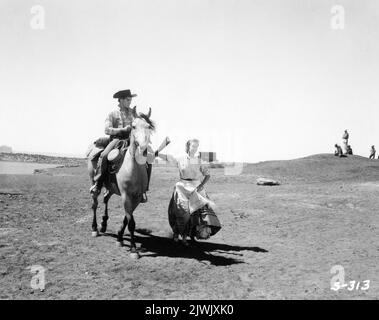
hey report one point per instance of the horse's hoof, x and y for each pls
(134, 255)
(120, 244)
(94, 234)
(103, 230)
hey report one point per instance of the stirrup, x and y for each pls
(106, 192)
(95, 189)
(144, 198)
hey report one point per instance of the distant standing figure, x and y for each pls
(338, 151)
(349, 150)
(345, 140)
(372, 152)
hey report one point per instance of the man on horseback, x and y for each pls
(117, 126)
(128, 172)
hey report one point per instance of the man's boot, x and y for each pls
(96, 188)
(144, 198)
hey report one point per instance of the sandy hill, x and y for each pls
(318, 168)
(39, 158)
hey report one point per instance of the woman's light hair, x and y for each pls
(188, 143)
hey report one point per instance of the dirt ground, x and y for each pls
(277, 242)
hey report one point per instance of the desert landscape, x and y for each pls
(277, 242)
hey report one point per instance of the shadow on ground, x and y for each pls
(156, 246)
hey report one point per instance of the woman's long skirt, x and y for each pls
(189, 209)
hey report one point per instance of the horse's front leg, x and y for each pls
(131, 227)
(120, 233)
(127, 207)
(128, 221)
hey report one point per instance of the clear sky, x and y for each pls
(253, 80)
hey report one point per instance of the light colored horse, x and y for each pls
(131, 179)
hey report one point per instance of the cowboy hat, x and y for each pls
(124, 94)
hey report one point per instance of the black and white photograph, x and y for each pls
(189, 150)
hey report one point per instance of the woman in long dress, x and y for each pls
(191, 212)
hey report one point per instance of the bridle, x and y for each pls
(133, 148)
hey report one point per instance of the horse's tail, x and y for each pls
(91, 167)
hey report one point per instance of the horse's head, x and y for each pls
(142, 128)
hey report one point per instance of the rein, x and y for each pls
(139, 157)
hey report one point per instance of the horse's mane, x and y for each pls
(147, 119)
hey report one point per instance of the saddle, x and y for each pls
(102, 142)
(116, 156)
(97, 147)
